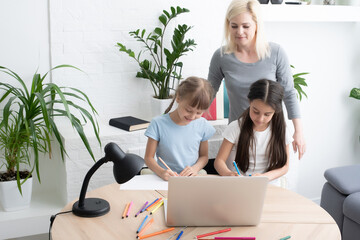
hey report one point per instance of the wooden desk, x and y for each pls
(285, 213)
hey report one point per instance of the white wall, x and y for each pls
(84, 33)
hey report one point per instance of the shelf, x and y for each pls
(310, 13)
(34, 220)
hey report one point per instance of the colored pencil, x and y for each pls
(166, 165)
(169, 238)
(141, 209)
(285, 238)
(230, 238)
(125, 210)
(157, 207)
(236, 167)
(128, 211)
(153, 204)
(150, 204)
(156, 233)
(145, 227)
(142, 224)
(179, 236)
(213, 233)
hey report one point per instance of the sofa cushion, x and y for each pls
(345, 179)
(351, 207)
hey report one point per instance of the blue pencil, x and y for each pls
(236, 167)
(179, 236)
(141, 225)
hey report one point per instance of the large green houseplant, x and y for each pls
(161, 65)
(28, 127)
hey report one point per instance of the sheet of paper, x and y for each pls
(145, 182)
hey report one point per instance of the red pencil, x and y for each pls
(213, 233)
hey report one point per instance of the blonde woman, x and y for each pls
(247, 57)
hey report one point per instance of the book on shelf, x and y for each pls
(210, 114)
(129, 123)
(219, 108)
(226, 103)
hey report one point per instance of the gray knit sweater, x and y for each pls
(239, 76)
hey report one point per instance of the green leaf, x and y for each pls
(355, 93)
(166, 13)
(158, 31)
(163, 19)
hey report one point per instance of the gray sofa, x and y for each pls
(340, 197)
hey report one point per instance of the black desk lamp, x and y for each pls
(126, 166)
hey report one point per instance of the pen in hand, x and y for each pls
(168, 166)
(236, 167)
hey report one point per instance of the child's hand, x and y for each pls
(233, 174)
(166, 174)
(188, 171)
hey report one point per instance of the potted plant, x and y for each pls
(161, 66)
(27, 127)
(299, 81)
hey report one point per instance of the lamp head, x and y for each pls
(126, 166)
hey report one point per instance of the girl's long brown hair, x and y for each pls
(197, 91)
(271, 93)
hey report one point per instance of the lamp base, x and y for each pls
(93, 207)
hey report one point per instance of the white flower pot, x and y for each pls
(10, 197)
(158, 106)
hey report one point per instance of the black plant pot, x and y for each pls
(276, 1)
(264, 1)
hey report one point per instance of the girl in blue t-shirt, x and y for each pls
(180, 138)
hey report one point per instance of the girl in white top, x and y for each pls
(257, 141)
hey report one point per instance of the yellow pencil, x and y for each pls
(153, 204)
(156, 208)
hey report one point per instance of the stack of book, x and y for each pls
(219, 108)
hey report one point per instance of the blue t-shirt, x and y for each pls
(178, 145)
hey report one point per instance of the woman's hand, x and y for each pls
(299, 144)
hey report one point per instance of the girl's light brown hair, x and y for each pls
(197, 91)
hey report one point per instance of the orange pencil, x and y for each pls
(167, 166)
(146, 227)
(157, 233)
(125, 210)
(153, 204)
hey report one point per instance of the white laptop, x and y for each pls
(215, 201)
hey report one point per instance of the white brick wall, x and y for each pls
(84, 34)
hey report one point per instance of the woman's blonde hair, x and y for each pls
(197, 91)
(253, 7)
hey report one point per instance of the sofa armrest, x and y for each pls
(344, 179)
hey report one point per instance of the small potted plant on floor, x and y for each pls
(28, 128)
(161, 66)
